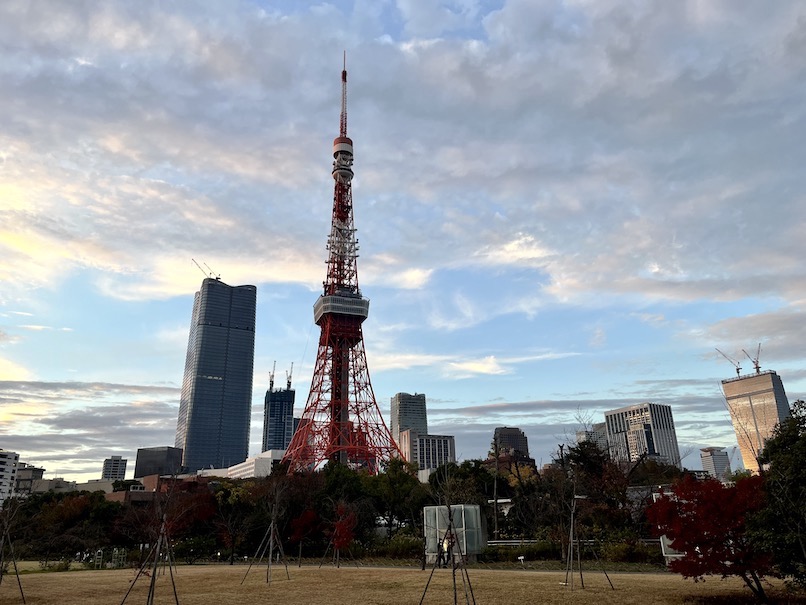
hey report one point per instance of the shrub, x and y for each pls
(631, 551)
(59, 565)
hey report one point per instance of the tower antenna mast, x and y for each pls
(341, 422)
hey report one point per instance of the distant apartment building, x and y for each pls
(8, 473)
(163, 460)
(428, 451)
(408, 412)
(26, 474)
(715, 462)
(642, 430)
(757, 403)
(114, 469)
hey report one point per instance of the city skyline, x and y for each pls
(561, 209)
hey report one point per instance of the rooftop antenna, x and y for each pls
(288, 377)
(271, 376)
(733, 361)
(756, 365)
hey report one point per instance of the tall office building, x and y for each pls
(114, 469)
(757, 403)
(8, 473)
(278, 416)
(163, 460)
(715, 462)
(408, 412)
(214, 411)
(511, 441)
(644, 429)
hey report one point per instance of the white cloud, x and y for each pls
(10, 370)
(486, 365)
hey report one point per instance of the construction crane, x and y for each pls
(733, 361)
(756, 365)
(288, 377)
(209, 272)
(271, 376)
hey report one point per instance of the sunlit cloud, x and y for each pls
(10, 370)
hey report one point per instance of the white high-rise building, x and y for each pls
(644, 429)
(715, 462)
(428, 451)
(8, 473)
(114, 469)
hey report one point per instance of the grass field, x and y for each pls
(310, 585)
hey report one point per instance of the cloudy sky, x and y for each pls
(563, 207)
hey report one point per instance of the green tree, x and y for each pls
(398, 495)
(781, 526)
(234, 518)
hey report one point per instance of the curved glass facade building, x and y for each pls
(216, 403)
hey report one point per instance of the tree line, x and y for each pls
(381, 515)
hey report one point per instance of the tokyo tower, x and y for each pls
(341, 422)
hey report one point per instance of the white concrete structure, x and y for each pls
(58, 485)
(259, 466)
(8, 473)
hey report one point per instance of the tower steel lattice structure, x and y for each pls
(341, 422)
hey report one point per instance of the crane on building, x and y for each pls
(209, 273)
(755, 359)
(271, 376)
(733, 361)
(288, 377)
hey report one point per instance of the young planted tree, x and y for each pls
(708, 522)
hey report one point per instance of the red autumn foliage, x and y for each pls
(344, 528)
(707, 522)
(304, 525)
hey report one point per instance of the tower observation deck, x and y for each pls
(341, 422)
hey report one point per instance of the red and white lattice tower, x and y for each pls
(341, 421)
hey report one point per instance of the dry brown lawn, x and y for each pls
(221, 585)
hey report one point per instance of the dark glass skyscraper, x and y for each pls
(157, 461)
(214, 411)
(278, 418)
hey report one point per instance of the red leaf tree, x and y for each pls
(707, 522)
